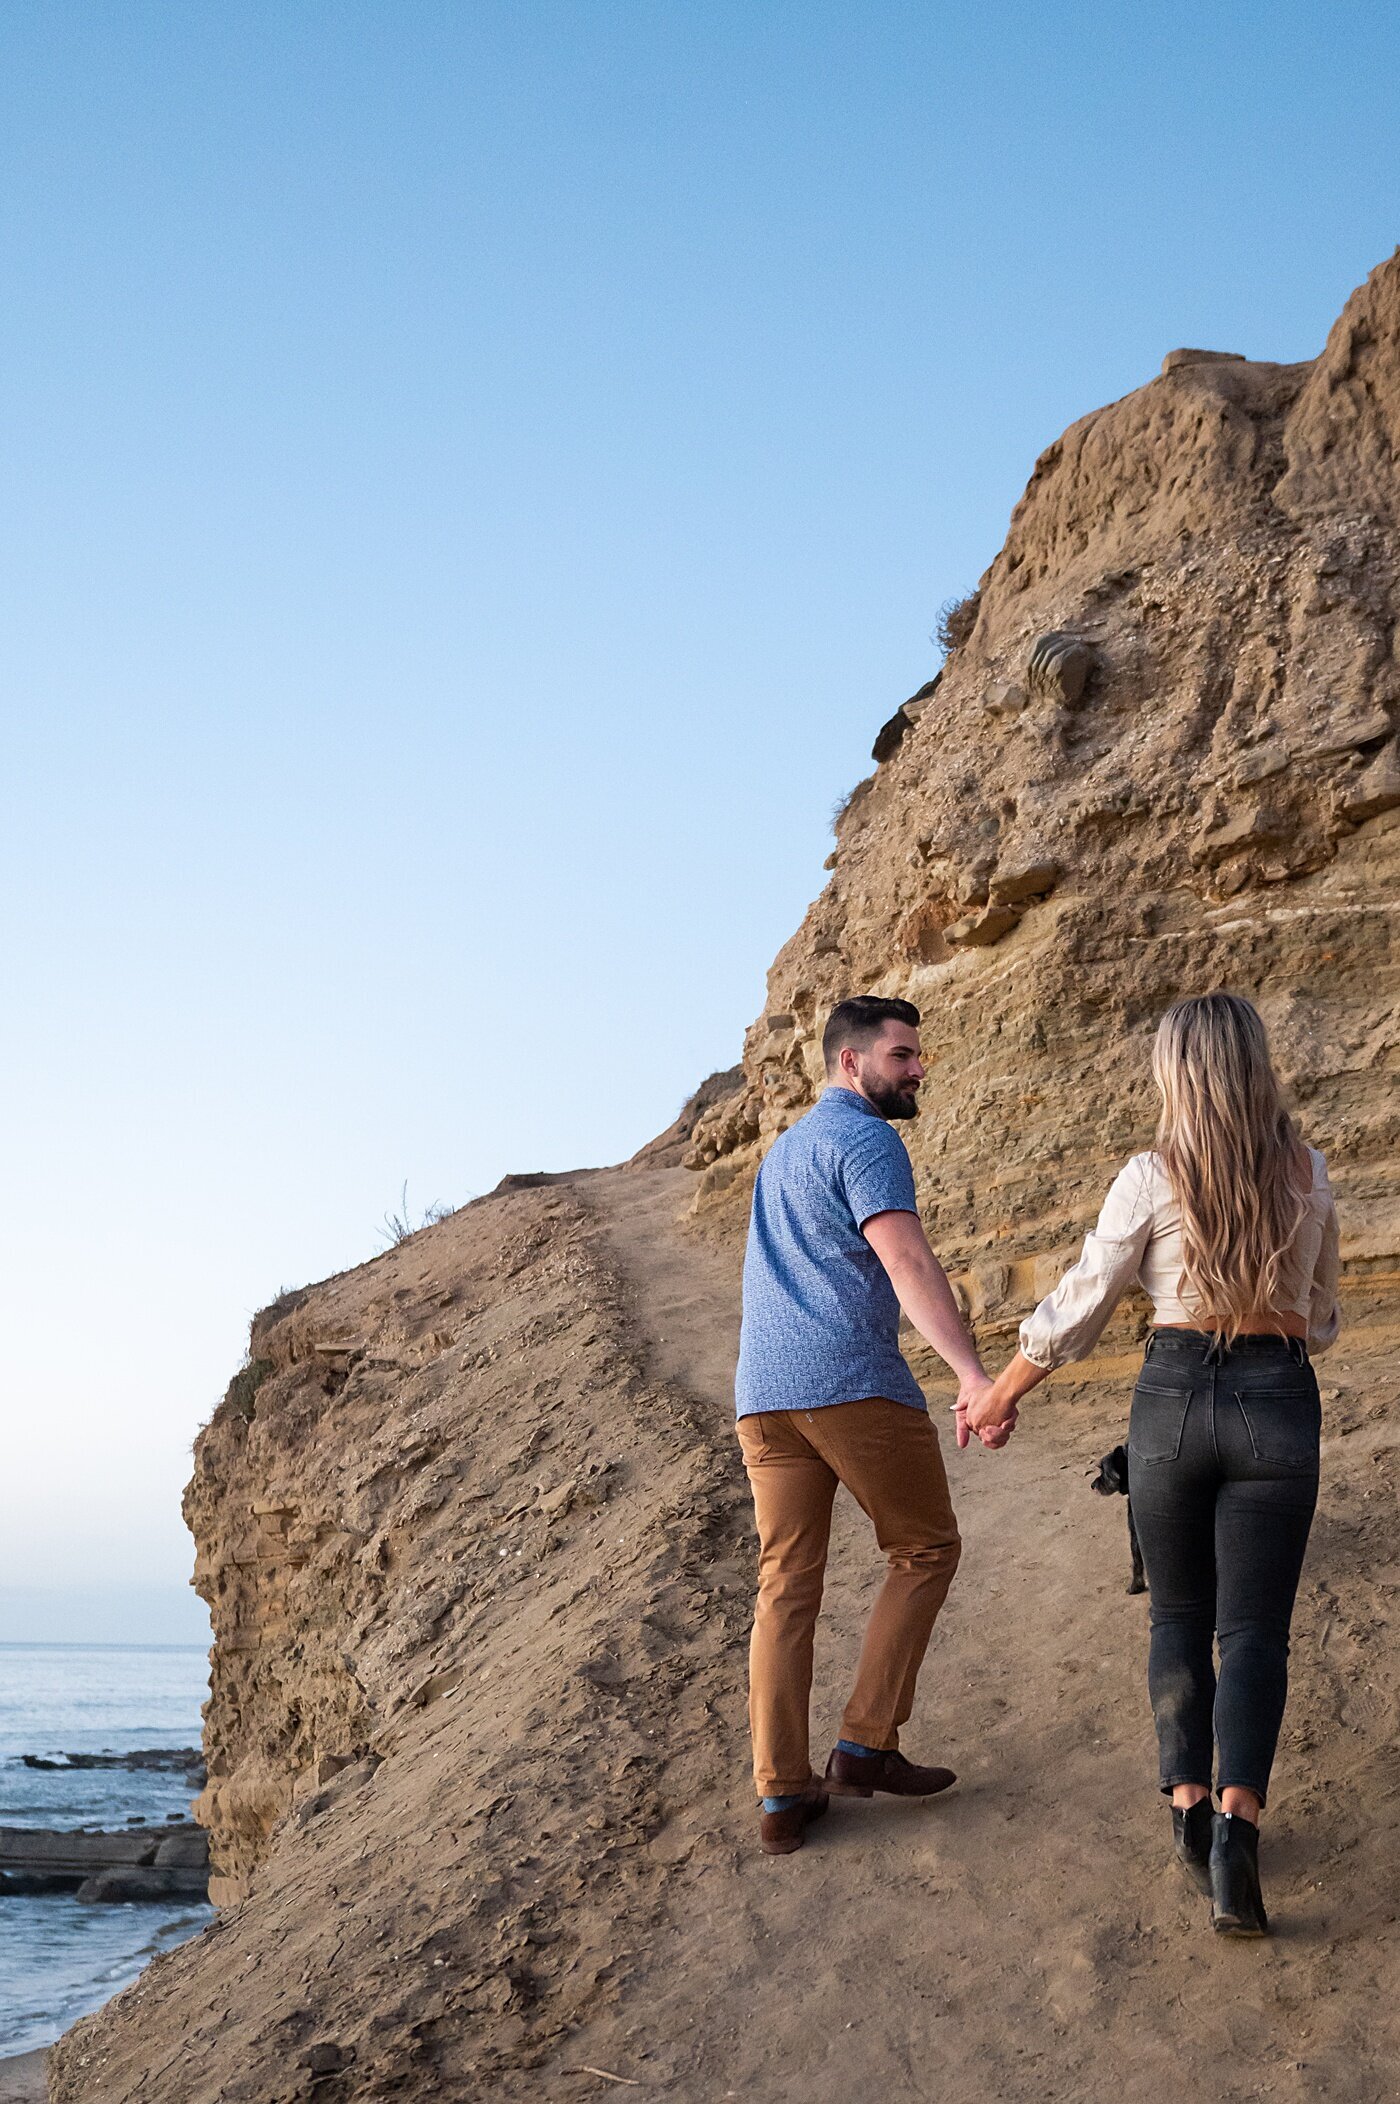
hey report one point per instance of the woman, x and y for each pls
(1230, 1228)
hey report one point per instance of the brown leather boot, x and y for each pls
(862, 1774)
(779, 1833)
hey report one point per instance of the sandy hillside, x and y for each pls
(539, 1861)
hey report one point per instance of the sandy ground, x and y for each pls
(1026, 1936)
(545, 1883)
(22, 2079)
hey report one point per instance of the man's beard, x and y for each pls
(893, 1099)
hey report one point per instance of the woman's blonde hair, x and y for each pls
(1237, 1167)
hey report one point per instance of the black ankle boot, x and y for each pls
(1191, 1840)
(1237, 1904)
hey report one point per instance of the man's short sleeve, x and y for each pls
(877, 1176)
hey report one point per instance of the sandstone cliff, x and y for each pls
(1163, 759)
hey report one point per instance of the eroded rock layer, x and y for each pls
(1161, 757)
(461, 1555)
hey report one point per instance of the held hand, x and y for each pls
(992, 1410)
(991, 1436)
(997, 1435)
(992, 1414)
(972, 1389)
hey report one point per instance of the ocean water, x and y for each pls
(60, 1958)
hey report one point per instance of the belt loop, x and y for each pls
(1214, 1351)
(1151, 1340)
(1297, 1351)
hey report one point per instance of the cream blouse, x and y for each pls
(1138, 1238)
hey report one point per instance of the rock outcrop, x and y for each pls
(1162, 757)
(374, 1451)
(668, 1149)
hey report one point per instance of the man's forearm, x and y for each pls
(928, 1300)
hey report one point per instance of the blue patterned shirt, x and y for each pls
(821, 1319)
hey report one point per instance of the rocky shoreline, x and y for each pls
(141, 1860)
(165, 1760)
(134, 1863)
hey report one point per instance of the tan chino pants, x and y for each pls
(888, 1457)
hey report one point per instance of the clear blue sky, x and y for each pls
(478, 476)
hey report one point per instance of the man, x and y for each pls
(835, 1250)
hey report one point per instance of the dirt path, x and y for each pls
(1024, 1937)
(685, 1290)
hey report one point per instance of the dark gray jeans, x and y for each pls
(1222, 1469)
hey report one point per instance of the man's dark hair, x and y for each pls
(859, 1022)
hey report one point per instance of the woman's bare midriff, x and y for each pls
(1289, 1325)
